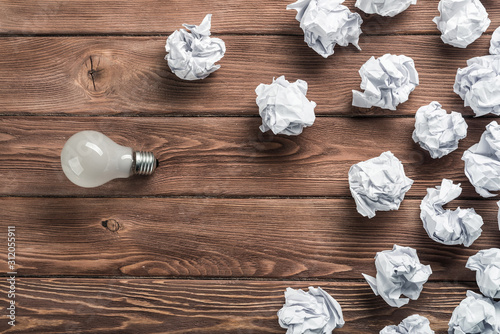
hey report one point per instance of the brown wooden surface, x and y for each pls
(209, 243)
(226, 156)
(163, 17)
(246, 238)
(130, 77)
(192, 306)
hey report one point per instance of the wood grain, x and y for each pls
(225, 156)
(232, 216)
(160, 17)
(252, 238)
(130, 306)
(128, 75)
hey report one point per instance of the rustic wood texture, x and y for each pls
(232, 217)
(265, 238)
(130, 306)
(225, 156)
(162, 17)
(128, 75)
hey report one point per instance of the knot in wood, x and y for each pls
(96, 75)
(111, 224)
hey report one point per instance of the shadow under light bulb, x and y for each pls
(90, 159)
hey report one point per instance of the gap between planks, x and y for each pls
(236, 197)
(221, 278)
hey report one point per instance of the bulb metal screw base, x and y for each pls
(144, 163)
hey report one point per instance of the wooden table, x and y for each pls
(232, 216)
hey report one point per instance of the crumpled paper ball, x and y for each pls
(284, 107)
(478, 84)
(475, 314)
(438, 132)
(378, 184)
(387, 81)
(460, 226)
(486, 264)
(461, 21)
(495, 42)
(384, 7)
(482, 161)
(312, 312)
(399, 272)
(192, 56)
(327, 23)
(414, 324)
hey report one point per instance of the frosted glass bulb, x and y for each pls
(90, 159)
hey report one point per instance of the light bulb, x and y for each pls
(90, 159)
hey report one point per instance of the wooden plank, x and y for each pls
(256, 238)
(225, 156)
(158, 17)
(193, 306)
(128, 75)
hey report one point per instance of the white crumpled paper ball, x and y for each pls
(486, 264)
(327, 23)
(384, 7)
(482, 161)
(478, 84)
(475, 314)
(438, 132)
(192, 56)
(387, 81)
(378, 184)
(399, 272)
(495, 42)
(312, 312)
(284, 107)
(461, 21)
(414, 324)
(460, 226)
